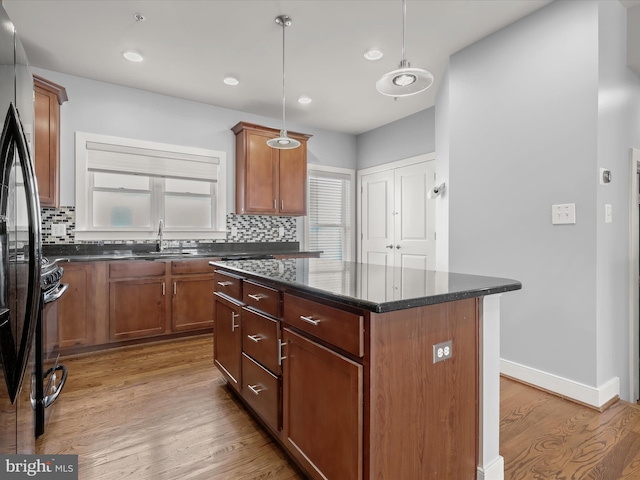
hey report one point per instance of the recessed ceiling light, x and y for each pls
(304, 99)
(133, 56)
(233, 81)
(373, 54)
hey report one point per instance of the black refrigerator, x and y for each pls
(20, 246)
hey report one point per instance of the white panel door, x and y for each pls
(414, 244)
(398, 227)
(377, 218)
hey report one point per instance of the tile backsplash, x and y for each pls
(240, 228)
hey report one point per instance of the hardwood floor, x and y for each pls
(545, 437)
(162, 412)
(158, 412)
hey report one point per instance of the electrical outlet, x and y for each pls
(58, 229)
(281, 231)
(442, 351)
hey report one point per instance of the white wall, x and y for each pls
(98, 107)
(408, 137)
(529, 121)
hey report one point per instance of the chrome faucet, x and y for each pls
(160, 247)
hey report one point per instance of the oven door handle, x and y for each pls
(49, 399)
(56, 294)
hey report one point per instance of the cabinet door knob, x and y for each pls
(280, 356)
(310, 320)
(234, 315)
(255, 296)
(256, 389)
(275, 204)
(163, 289)
(224, 284)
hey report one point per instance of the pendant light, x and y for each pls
(283, 141)
(405, 80)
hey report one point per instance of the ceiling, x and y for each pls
(189, 46)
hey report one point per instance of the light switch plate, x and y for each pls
(563, 214)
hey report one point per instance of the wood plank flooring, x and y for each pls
(162, 412)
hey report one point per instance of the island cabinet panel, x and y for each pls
(261, 339)
(323, 410)
(261, 298)
(343, 329)
(423, 415)
(192, 303)
(227, 339)
(261, 389)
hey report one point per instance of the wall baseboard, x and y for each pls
(494, 471)
(599, 398)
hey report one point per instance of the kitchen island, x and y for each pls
(365, 371)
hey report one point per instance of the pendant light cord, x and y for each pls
(284, 26)
(404, 20)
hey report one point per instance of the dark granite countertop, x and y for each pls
(95, 252)
(369, 286)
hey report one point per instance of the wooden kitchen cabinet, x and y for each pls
(227, 339)
(137, 299)
(269, 181)
(48, 97)
(77, 306)
(322, 409)
(192, 283)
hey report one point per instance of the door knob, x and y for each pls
(398, 246)
(389, 246)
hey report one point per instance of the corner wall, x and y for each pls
(522, 136)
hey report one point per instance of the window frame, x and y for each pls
(84, 190)
(349, 250)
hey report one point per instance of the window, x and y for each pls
(125, 187)
(331, 212)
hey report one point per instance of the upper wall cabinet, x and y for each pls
(269, 181)
(47, 100)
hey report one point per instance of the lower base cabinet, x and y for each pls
(227, 339)
(137, 308)
(322, 409)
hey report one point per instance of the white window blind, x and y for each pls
(329, 221)
(145, 161)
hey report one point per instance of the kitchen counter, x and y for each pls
(393, 323)
(358, 284)
(94, 252)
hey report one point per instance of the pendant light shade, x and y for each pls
(283, 141)
(405, 80)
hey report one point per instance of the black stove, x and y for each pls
(50, 374)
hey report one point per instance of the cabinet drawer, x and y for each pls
(261, 298)
(343, 329)
(260, 339)
(228, 284)
(200, 265)
(261, 389)
(130, 269)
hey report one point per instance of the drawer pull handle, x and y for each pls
(255, 389)
(256, 296)
(309, 320)
(234, 315)
(225, 284)
(280, 356)
(254, 338)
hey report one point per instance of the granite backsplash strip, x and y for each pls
(240, 229)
